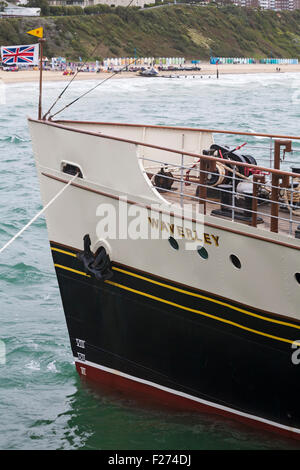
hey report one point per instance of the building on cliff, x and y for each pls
(112, 3)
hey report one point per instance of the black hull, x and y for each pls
(192, 344)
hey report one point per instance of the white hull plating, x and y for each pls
(111, 169)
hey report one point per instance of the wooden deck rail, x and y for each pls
(176, 151)
(279, 178)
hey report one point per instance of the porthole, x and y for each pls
(202, 252)
(297, 277)
(173, 243)
(235, 261)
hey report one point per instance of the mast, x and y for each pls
(41, 40)
(39, 32)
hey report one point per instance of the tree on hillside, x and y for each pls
(225, 2)
(2, 6)
(42, 4)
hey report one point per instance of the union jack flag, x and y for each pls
(20, 54)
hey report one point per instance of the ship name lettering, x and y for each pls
(184, 232)
(207, 238)
(153, 222)
(215, 239)
(164, 226)
(180, 231)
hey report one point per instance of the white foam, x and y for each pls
(33, 365)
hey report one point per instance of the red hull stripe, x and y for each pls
(119, 380)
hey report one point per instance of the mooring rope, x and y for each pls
(291, 200)
(38, 214)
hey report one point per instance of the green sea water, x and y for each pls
(43, 403)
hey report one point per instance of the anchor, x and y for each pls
(99, 265)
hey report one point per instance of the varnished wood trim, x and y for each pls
(194, 129)
(166, 149)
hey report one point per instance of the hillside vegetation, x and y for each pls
(177, 30)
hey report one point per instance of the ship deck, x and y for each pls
(199, 156)
(187, 195)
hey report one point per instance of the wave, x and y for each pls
(14, 139)
(21, 273)
(33, 365)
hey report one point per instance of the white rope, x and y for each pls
(38, 214)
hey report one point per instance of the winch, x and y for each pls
(222, 170)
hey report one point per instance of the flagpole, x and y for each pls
(41, 40)
(39, 32)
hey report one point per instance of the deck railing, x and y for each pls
(275, 189)
(272, 195)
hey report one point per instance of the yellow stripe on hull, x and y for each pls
(193, 294)
(182, 307)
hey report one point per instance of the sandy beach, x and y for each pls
(206, 69)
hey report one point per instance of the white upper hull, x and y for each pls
(113, 168)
